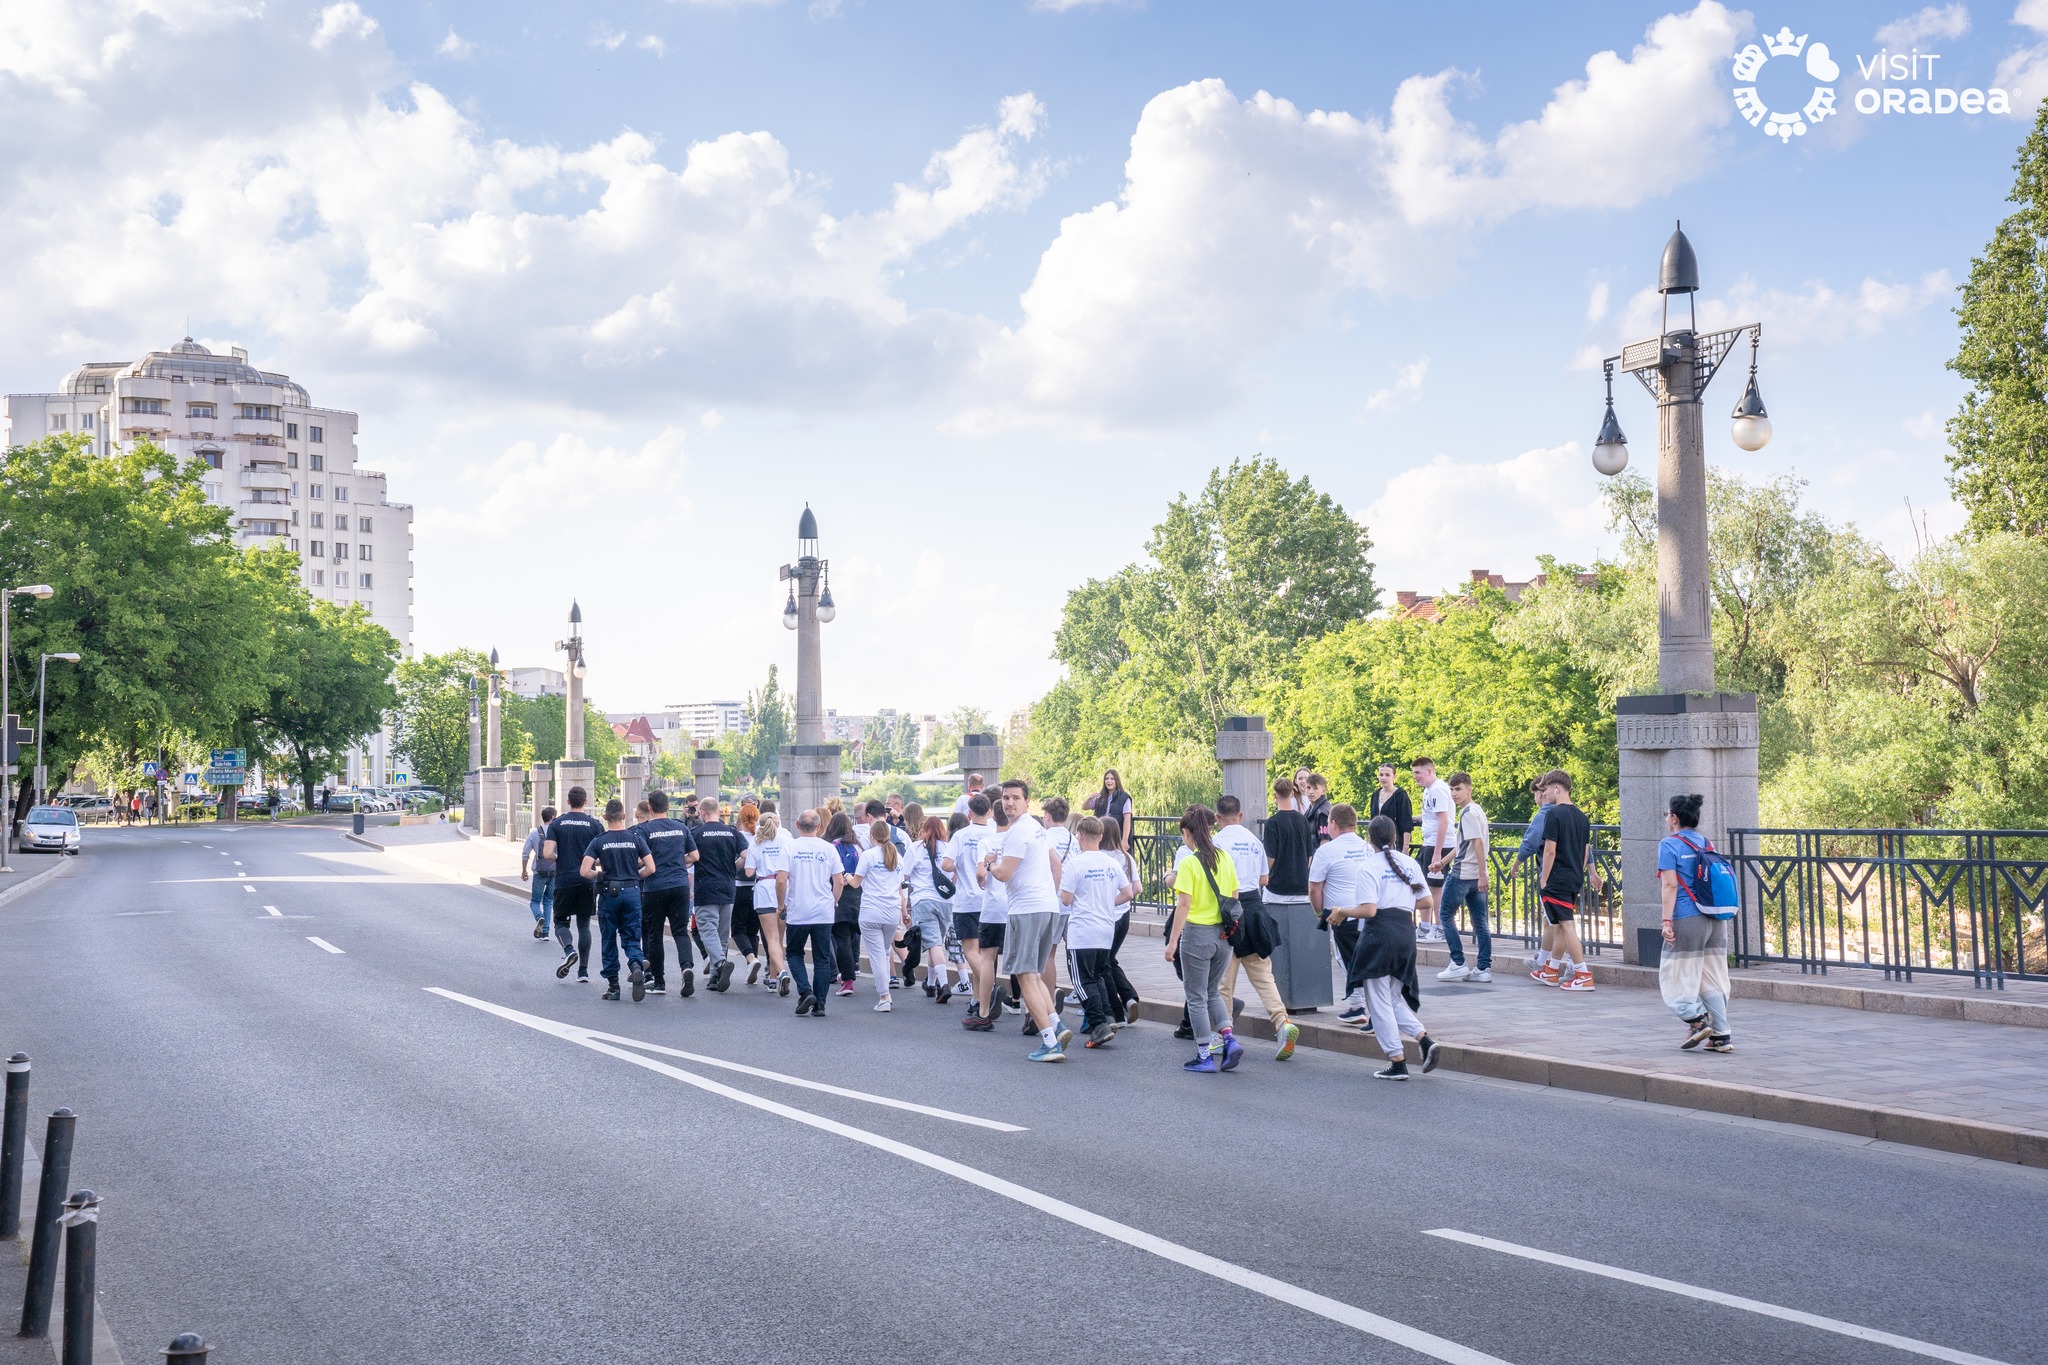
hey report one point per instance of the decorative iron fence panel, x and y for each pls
(1958, 902)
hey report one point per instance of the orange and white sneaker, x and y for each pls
(1545, 975)
(1581, 980)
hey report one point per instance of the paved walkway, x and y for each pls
(1991, 1073)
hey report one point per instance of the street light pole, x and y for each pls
(1688, 738)
(809, 766)
(39, 591)
(42, 679)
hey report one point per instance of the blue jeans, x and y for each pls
(1457, 892)
(823, 958)
(543, 896)
(618, 923)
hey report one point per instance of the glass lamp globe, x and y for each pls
(826, 610)
(789, 612)
(1610, 451)
(1752, 425)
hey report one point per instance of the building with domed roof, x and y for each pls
(283, 467)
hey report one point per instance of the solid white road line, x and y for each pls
(1335, 1310)
(1769, 1310)
(274, 910)
(322, 943)
(130, 914)
(861, 1095)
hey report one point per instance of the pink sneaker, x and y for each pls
(846, 988)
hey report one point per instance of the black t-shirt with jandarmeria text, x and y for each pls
(1570, 830)
(571, 831)
(618, 853)
(1289, 847)
(671, 842)
(719, 849)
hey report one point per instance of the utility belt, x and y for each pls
(611, 886)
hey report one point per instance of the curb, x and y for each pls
(39, 879)
(1966, 1137)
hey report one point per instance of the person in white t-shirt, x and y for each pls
(974, 782)
(1059, 841)
(966, 855)
(767, 862)
(1248, 856)
(1437, 837)
(1337, 880)
(1386, 950)
(1026, 868)
(1095, 887)
(880, 876)
(816, 876)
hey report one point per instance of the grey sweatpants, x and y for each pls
(1203, 958)
(714, 926)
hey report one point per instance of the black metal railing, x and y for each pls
(1516, 912)
(1956, 902)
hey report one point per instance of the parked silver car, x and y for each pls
(50, 829)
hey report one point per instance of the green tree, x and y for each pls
(544, 719)
(431, 723)
(329, 686)
(1998, 440)
(770, 724)
(955, 726)
(171, 619)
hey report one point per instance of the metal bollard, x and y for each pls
(188, 1346)
(42, 1251)
(13, 1145)
(81, 1265)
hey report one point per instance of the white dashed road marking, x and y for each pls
(322, 943)
(275, 911)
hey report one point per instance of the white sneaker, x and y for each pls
(1457, 971)
(883, 1006)
(1481, 978)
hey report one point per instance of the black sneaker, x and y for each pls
(805, 1005)
(1030, 1029)
(657, 987)
(540, 930)
(1721, 1042)
(1431, 1054)
(612, 993)
(689, 986)
(1185, 1031)
(1059, 1000)
(568, 965)
(721, 975)
(636, 972)
(942, 993)
(995, 1008)
(1396, 1071)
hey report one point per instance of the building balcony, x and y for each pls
(266, 498)
(267, 478)
(259, 426)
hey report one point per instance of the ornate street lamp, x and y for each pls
(810, 766)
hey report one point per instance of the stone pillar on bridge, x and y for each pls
(980, 754)
(707, 770)
(490, 784)
(1243, 747)
(518, 818)
(470, 795)
(632, 782)
(575, 772)
(810, 777)
(543, 776)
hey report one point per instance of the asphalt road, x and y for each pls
(414, 1150)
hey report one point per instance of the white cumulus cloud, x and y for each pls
(1935, 21)
(1439, 521)
(1406, 388)
(343, 20)
(454, 46)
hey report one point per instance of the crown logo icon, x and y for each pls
(1785, 44)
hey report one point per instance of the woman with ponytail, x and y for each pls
(1393, 889)
(1203, 882)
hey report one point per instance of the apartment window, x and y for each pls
(291, 430)
(315, 434)
(156, 405)
(200, 410)
(340, 551)
(291, 459)
(57, 421)
(318, 491)
(341, 492)
(212, 457)
(319, 518)
(256, 412)
(295, 517)
(318, 461)
(85, 421)
(362, 580)
(363, 524)
(319, 548)
(362, 552)
(319, 575)
(295, 547)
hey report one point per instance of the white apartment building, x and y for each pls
(707, 720)
(536, 682)
(283, 467)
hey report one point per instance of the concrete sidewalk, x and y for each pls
(1955, 1084)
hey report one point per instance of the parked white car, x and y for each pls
(50, 829)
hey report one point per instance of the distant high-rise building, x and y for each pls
(707, 720)
(283, 467)
(536, 682)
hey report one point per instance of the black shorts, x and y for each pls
(574, 898)
(966, 927)
(990, 935)
(1558, 911)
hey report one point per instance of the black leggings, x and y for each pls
(1124, 989)
(665, 910)
(746, 924)
(846, 948)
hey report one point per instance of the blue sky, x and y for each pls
(987, 284)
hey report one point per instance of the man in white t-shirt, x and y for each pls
(966, 852)
(1059, 841)
(1437, 808)
(815, 877)
(1248, 857)
(974, 781)
(1464, 867)
(1094, 887)
(1338, 880)
(1031, 887)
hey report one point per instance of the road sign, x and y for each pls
(227, 777)
(400, 780)
(18, 739)
(227, 758)
(152, 770)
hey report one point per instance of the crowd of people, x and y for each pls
(998, 899)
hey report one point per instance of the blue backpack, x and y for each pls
(1713, 886)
